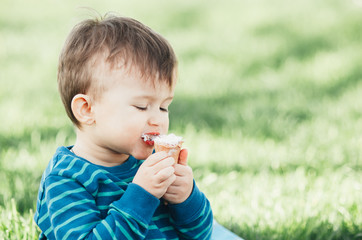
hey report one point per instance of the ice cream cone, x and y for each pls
(170, 144)
(171, 151)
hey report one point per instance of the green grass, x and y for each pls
(16, 226)
(268, 100)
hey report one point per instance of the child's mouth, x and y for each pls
(148, 138)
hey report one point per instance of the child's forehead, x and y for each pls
(118, 71)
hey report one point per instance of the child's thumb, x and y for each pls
(182, 159)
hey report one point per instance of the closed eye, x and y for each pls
(164, 109)
(141, 108)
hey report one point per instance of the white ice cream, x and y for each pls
(169, 140)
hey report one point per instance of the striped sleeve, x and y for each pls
(73, 212)
(193, 219)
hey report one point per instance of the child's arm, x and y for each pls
(193, 218)
(189, 208)
(74, 214)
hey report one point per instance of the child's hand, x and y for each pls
(182, 187)
(156, 174)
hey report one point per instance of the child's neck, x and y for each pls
(90, 151)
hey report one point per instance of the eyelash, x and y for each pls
(145, 108)
(141, 108)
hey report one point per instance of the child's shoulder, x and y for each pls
(66, 164)
(66, 168)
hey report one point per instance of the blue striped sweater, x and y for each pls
(81, 200)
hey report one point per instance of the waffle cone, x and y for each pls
(173, 151)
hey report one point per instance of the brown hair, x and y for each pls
(119, 38)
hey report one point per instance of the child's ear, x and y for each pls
(82, 109)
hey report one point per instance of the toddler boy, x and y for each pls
(116, 78)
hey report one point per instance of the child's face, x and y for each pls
(128, 108)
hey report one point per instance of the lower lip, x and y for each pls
(149, 142)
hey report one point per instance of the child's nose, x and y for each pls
(155, 119)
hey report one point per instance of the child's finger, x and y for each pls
(155, 158)
(164, 163)
(183, 157)
(165, 173)
(168, 181)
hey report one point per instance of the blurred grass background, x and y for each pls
(269, 101)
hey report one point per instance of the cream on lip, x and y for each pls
(149, 136)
